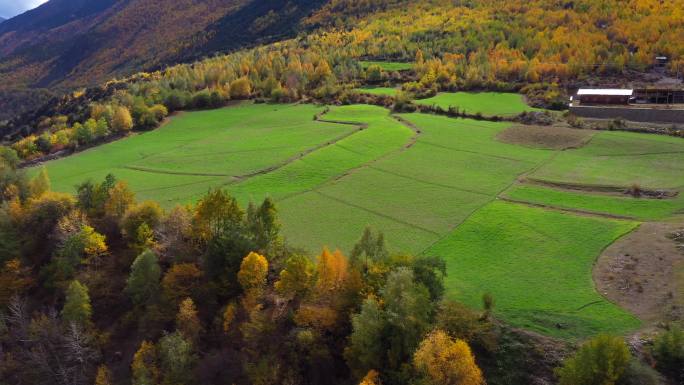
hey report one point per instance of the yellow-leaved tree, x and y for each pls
(447, 361)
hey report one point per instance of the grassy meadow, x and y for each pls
(382, 91)
(432, 184)
(537, 264)
(485, 103)
(388, 65)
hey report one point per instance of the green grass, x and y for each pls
(388, 65)
(621, 159)
(382, 91)
(414, 195)
(537, 264)
(383, 135)
(199, 150)
(638, 208)
(485, 103)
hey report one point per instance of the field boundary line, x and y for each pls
(474, 152)
(299, 156)
(352, 170)
(625, 155)
(408, 224)
(493, 199)
(428, 182)
(568, 210)
(171, 172)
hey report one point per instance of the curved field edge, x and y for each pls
(538, 265)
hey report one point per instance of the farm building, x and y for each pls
(659, 96)
(655, 104)
(587, 96)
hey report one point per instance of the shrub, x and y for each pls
(603, 360)
(668, 350)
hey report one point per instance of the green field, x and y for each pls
(623, 206)
(199, 150)
(621, 159)
(537, 265)
(432, 185)
(388, 65)
(385, 91)
(485, 103)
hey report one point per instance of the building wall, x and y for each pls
(634, 114)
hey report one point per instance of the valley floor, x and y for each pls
(522, 222)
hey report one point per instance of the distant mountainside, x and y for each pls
(65, 44)
(2, 19)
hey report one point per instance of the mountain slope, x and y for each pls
(70, 43)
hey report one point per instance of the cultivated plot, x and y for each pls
(537, 264)
(199, 150)
(485, 103)
(621, 159)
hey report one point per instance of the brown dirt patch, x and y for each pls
(548, 137)
(644, 273)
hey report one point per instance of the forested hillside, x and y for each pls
(539, 47)
(65, 44)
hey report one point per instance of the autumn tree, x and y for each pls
(601, 360)
(371, 378)
(148, 214)
(103, 376)
(143, 282)
(119, 199)
(40, 184)
(77, 308)
(187, 321)
(216, 213)
(297, 278)
(15, 279)
(145, 365)
(447, 361)
(122, 120)
(252, 278)
(240, 88)
(181, 281)
(228, 316)
(332, 271)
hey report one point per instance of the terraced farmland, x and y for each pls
(434, 185)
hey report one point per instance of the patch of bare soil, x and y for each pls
(634, 191)
(644, 273)
(548, 137)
